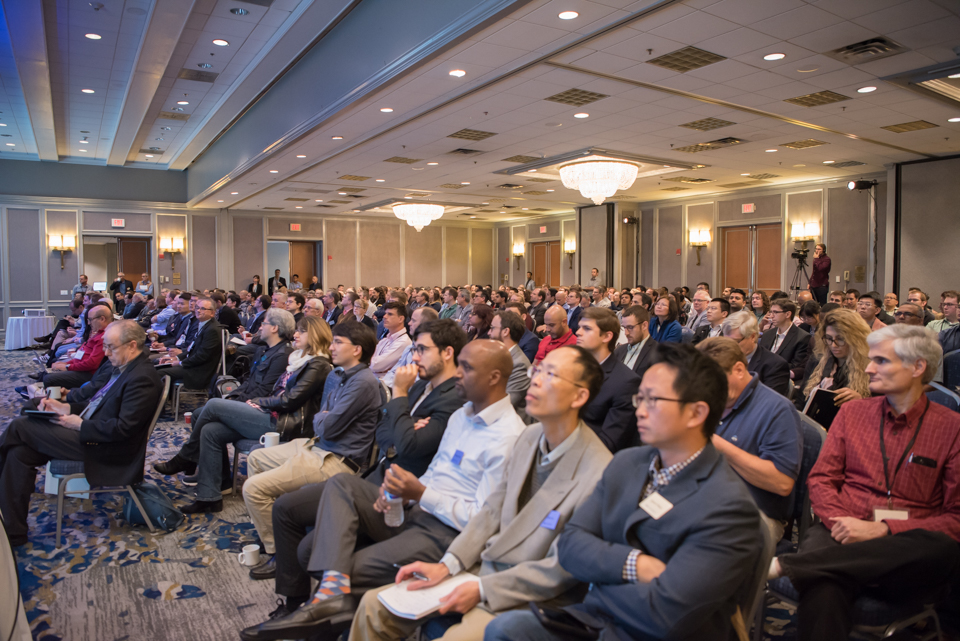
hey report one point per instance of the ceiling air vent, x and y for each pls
(817, 99)
(539, 209)
(317, 191)
(866, 51)
(539, 180)
(686, 59)
(736, 185)
(763, 176)
(534, 193)
(172, 115)
(576, 97)
(848, 163)
(199, 76)
(510, 186)
(904, 127)
(486, 211)
(803, 144)
(709, 146)
(451, 186)
(707, 124)
(416, 194)
(465, 152)
(521, 159)
(676, 189)
(350, 190)
(274, 208)
(352, 177)
(402, 160)
(341, 202)
(326, 206)
(298, 200)
(471, 134)
(688, 179)
(354, 196)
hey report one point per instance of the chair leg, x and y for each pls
(236, 467)
(136, 500)
(176, 402)
(61, 488)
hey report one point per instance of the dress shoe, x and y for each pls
(22, 391)
(307, 620)
(190, 480)
(176, 465)
(198, 507)
(266, 570)
(37, 375)
(42, 339)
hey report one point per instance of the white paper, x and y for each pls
(238, 341)
(416, 604)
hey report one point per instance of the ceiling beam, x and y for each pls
(162, 35)
(29, 43)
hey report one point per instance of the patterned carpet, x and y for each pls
(112, 581)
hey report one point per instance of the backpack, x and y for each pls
(161, 510)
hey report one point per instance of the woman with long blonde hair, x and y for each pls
(841, 347)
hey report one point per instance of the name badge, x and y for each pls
(182, 338)
(890, 514)
(551, 521)
(457, 457)
(655, 505)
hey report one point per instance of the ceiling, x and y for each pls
(462, 141)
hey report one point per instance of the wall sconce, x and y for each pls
(570, 248)
(172, 245)
(699, 238)
(804, 232)
(62, 244)
(518, 252)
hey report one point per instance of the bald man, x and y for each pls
(558, 332)
(469, 464)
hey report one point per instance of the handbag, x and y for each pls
(161, 510)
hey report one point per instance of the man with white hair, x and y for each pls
(698, 313)
(772, 370)
(887, 489)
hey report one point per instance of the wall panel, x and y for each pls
(503, 256)
(929, 193)
(481, 259)
(806, 207)
(100, 221)
(669, 241)
(646, 247)
(205, 246)
(849, 213)
(248, 252)
(457, 255)
(341, 245)
(175, 226)
(25, 249)
(423, 260)
(700, 217)
(380, 254)
(593, 243)
(59, 280)
(311, 228)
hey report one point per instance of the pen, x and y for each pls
(416, 575)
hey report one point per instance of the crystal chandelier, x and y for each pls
(418, 215)
(598, 179)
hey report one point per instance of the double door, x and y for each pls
(546, 262)
(751, 257)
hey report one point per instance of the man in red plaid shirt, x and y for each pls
(887, 489)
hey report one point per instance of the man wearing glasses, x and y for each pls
(637, 354)
(772, 370)
(108, 433)
(202, 353)
(951, 318)
(868, 306)
(909, 314)
(668, 540)
(785, 339)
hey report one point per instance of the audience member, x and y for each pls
(920, 298)
(120, 285)
(558, 333)
(836, 297)
(760, 306)
(78, 370)
(595, 279)
(772, 370)
(529, 341)
(645, 583)
(574, 312)
(331, 305)
(260, 305)
(481, 317)
(391, 346)
(809, 316)
(450, 307)
(255, 288)
(841, 357)
(664, 327)
(887, 531)
(638, 352)
(785, 339)
(717, 311)
(144, 287)
(275, 283)
(909, 314)
(737, 300)
(698, 313)
(417, 318)
(951, 318)
(508, 329)
(81, 288)
(850, 298)
(868, 306)
(226, 315)
(202, 352)
(890, 303)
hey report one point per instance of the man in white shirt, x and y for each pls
(467, 468)
(599, 297)
(391, 346)
(698, 315)
(419, 316)
(717, 311)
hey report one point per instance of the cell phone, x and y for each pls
(562, 622)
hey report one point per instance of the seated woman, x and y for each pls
(481, 318)
(840, 357)
(664, 327)
(295, 399)
(360, 314)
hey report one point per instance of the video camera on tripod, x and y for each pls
(800, 255)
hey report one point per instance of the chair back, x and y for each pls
(814, 437)
(686, 335)
(753, 597)
(165, 380)
(951, 369)
(944, 396)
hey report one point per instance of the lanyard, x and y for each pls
(903, 457)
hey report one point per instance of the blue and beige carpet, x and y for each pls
(114, 582)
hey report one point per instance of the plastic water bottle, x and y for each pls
(393, 517)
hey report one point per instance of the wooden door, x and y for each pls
(554, 263)
(303, 260)
(546, 263)
(768, 241)
(736, 265)
(539, 263)
(133, 255)
(751, 257)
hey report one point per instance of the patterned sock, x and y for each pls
(332, 584)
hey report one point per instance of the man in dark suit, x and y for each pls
(638, 353)
(680, 563)
(717, 311)
(331, 306)
(785, 339)
(610, 413)
(575, 311)
(773, 371)
(529, 343)
(177, 335)
(120, 284)
(108, 433)
(202, 354)
(260, 305)
(538, 306)
(275, 283)
(226, 316)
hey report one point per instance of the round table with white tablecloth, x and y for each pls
(21, 330)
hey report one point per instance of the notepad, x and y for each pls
(238, 341)
(416, 604)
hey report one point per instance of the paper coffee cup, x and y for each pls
(187, 416)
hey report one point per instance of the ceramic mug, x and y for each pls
(270, 439)
(250, 555)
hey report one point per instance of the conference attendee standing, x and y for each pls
(820, 278)
(81, 288)
(530, 285)
(120, 285)
(145, 286)
(275, 283)
(664, 327)
(255, 288)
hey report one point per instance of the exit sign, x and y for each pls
(748, 208)
(118, 222)
(294, 226)
(543, 230)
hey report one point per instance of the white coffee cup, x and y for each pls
(270, 439)
(53, 393)
(250, 555)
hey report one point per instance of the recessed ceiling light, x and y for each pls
(866, 89)
(744, 174)
(2, 124)
(524, 208)
(237, 11)
(84, 142)
(568, 15)
(464, 183)
(219, 201)
(299, 207)
(336, 137)
(948, 120)
(408, 197)
(799, 165)
(386, 110)
(161, 129)
(551, 190)
(148, 156)
(581, 115)
(954, 76)
(10, 144)
(829, 162)
(775, 56)
(770, 151)
(234, 193)
(82, 150)
(274, 171)
(318, 200)
(182, 102)
(433, 163)
(531, 171)
(341, 193)
(472, 216)
(502, 211)
(458, 73)
(87, 90)
(221, 43)
(381, 180)
(204, 65)
(92, 36)
(158, 138)
(417, 168)
(301, 156)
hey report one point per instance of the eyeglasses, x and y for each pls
(777, 311)
(420, 350)
(629, 328)
(549, 375)
(899, 314)
(839, 341)
(342, 342)
(651, 401)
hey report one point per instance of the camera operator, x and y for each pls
(820, 278)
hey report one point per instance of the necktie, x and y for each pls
(97, 398)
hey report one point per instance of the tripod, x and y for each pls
(795, 284)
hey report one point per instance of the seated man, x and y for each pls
(344, 427)
(176, 336)
(773, 371)
(508, 329)
(391, 346)
(517, 560)
(639, 350)
(759, 434)
(785, 339)
(890, 531)
(409, 431)
(558, 333)
(609, 413)
(418, 317)
(678, 564)
(201, 356)
(469, 464)
(529, 341)
(77, 371)
(226, 316)
(717, 311)
(107, 433)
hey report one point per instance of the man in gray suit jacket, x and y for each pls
(669, 538)
(638, 353)
(512, 540)
(508, 329)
